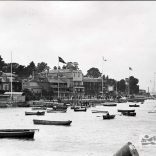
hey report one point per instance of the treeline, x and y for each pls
(121, 85)
(26, 71)
(23, 71)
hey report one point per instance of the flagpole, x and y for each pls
(102, 74)
(58, 77)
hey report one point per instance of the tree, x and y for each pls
(42, 67)
(31, 68)
(121, 85)
(2, 63)
(72, 65)
(21, 71)
(55, 68)
(134, 88)
(93, 72)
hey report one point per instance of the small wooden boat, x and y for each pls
(127, 150)
(148, 140)
(129, 113)
(47, 122)
(98, 111)
(109, 104)
(56, 111)
(35, 113)
(17, 133)
(108, 117)
(80, 109)
(135, 105)
(126, 110)
(39, 108)
(152, 111)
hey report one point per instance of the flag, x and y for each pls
(130, 68)
(61, 60)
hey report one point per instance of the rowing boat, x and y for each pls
(126, 110)
(108, 117)
(56, 111)
(17, 133)
(35, 113)
(47, 122)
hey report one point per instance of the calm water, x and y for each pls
(88, 134)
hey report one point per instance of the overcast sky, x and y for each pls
(82, 31)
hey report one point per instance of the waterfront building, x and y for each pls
(70, 82)
(93, 87)
(5, 82)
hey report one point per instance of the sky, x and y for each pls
(124, 33)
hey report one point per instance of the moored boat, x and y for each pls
(39, 108)
(152, 111)
(127, 150)
(108, 117)
(126, 110)
(56, 111)
(35, 113)
(109, 104)
(134, 105)
(17, 133)
(80, 109)
(99, 111)
(129, 113)
(48, 122)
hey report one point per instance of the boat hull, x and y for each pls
(80, 109)
(17, 133)
(134, 105)
(124, 110)
(129, 113)
(110, 104)
(108, 117)
(47, 122)
(34, 113)
(98, 111)
(127, 150)
(56, 111)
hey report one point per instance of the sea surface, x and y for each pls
(88, 135)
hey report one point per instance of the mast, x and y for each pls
(154, 83)
(11, 75)
(102, 75)
(58, 79)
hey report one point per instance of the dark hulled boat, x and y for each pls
(17, 133)
(35, 113)
(126, 110)
(108, 117)
(127, 150)
(134, 105)
(110, 104)
(129, 113)
(47, 122)
(84, 109)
